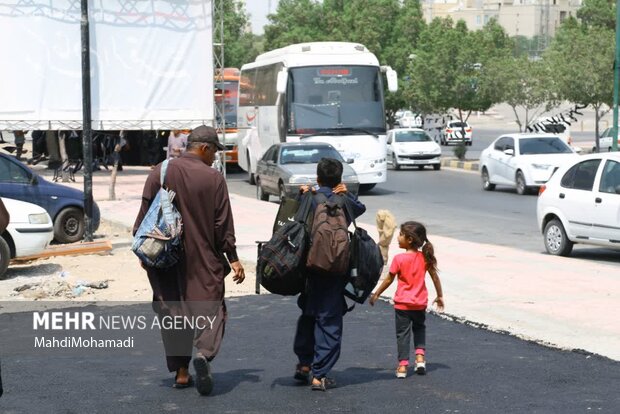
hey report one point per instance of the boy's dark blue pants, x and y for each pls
(319, 328)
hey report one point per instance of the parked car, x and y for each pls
(581, 204)
(287, 166)
(524, 161)
(28, 233)
(65, 205)
(456, 131)
(412, 146)
(410, 120)
(605, 141)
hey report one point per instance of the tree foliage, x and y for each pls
(240, 46)
(598, 13)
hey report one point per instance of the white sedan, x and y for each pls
(524, 161)
(412, 146)
(29, 232)
(581, 204)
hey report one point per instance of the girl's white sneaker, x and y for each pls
(401, 374)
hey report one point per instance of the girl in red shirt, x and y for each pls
(411, 297)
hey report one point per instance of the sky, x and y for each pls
(258, 10)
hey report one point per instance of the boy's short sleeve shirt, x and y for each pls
(411, 293)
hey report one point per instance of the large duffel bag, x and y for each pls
(281, 259)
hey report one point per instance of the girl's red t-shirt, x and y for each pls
(411, 293)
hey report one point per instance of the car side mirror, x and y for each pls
(350, 160)
(270, 162)
(509, 151)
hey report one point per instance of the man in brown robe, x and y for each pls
(195, 286)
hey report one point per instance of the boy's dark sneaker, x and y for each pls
(420, 367)
(301, 374)
(204, 380)
(323, 385)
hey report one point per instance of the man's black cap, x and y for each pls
(205, 134)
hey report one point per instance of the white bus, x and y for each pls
(323, 91)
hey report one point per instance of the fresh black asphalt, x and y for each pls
(470, 370)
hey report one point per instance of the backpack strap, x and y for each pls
(319, 198)
(162, 174)
(347, 207)
(304, 208)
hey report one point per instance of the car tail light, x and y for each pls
(467, 129)
(542, 189)
(448, 130)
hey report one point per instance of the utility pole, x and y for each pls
(86, 126)
(614, 142)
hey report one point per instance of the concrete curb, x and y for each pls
(473, 165)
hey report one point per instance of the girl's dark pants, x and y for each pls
(407, 321)
(319, 328)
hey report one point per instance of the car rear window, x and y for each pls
(459, 124)
(551, 145)
(412, 136)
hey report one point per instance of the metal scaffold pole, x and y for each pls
(218, 74)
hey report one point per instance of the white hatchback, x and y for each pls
(412, 146)
(29, 232)
(581, 204)
(524, 161)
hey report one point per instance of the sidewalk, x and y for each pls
(565, 302)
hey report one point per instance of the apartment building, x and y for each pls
(518, 17)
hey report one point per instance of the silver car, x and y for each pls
(287, 166)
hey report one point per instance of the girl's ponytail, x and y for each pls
(429, 256)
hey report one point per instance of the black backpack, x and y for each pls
(365, 267)
(281, 259)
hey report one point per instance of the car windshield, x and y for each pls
(308, 154)
(550, 145)
(412, 136)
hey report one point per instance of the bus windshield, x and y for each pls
(227, 92)
(329, 98)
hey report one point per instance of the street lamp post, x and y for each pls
(614, 143)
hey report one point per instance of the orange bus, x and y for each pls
(226, 88)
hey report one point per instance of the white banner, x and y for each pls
(151, 64)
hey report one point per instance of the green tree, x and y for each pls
(523, 84)
(240, 46)
(295, 21)
(599, 13)
(582, 59)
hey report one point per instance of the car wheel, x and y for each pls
(281, 191)
(260, 194)
(522, 188)
(487, 185)
(69, 225)
(395, 163)
(436, 167)
(469, 143)
(556, 241)
(5, 257)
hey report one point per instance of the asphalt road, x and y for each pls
(451, 203)
(469, 370)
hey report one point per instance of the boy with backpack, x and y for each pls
(319, 329)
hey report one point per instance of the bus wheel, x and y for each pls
(251, 177)
(366, 187)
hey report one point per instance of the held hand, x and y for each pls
(239, 272)
(373, 299)
(340, 189)
(439, 302)
(304, 189)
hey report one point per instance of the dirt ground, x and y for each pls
(110, 276)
